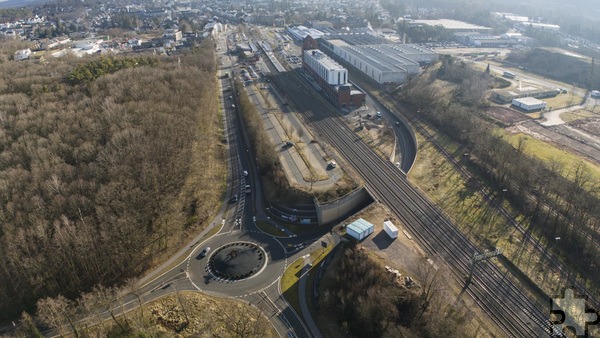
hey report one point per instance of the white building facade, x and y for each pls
(329, 70)
(529, 103)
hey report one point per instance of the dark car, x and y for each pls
(234, 198)
(204, 252)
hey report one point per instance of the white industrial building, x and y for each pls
(452, 25)
(300, 32)
(359, 229)
(384, 63)
(541, 26)
(325, 67)
(511, 17)
(529, 103)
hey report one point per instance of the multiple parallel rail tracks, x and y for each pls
(493, 290)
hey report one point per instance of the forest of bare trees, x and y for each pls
(366, 301)
(558, 199)
(99, 178)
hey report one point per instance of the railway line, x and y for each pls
(572, 280)
(514, 313)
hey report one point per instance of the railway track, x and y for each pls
(515, 314)
(572, 280)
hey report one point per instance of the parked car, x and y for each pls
(234, 198)
(379, 114)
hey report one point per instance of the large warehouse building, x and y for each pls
(452, 25)
(384, 63)
(332, 77)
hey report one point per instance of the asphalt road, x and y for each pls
(186, 270)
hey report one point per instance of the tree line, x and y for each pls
(102, 312)
(106, 65)
(98, 179)
(558, 199)
(366, 301)
(559, 66)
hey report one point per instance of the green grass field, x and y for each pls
(289, 283)
(548, 152)
(563, 100)
(572, 116)
(291, 276)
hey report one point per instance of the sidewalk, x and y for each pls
(314, 330)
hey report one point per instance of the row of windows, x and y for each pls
(324, 72)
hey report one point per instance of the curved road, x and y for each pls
(495, 292)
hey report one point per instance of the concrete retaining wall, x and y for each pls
(342, 207)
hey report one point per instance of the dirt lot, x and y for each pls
(401, 253)
(590, 125)
(375, 131)
(506, 116)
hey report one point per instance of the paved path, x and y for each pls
(553, 117)
(292, 161)
(314, 330)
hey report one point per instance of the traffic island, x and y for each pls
(237, 261)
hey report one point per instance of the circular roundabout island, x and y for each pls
(237, 261)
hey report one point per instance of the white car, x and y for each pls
(245, 173)
(379, 114)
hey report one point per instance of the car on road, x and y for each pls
(204, 252)
(379, 114)
(248, 189)
(234, 198)
(397, 123)
(233, 106)
(245, 173)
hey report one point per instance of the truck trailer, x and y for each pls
(390, 229)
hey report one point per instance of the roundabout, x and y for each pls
(243, 263)
(237, 261)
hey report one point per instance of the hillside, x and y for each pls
(558, 66)
(99, 178)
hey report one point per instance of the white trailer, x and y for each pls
(390, 229)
